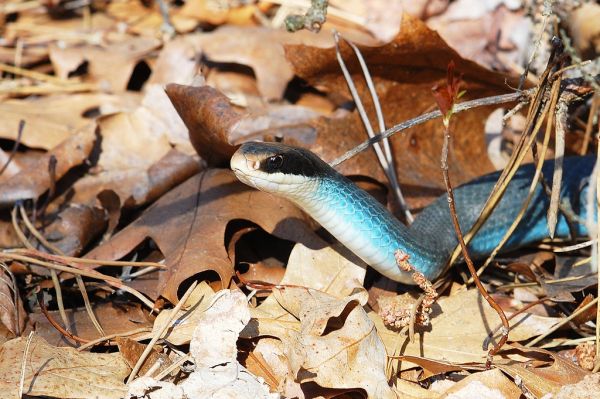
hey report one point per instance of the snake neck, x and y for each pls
(365, 227)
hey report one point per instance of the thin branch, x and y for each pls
(77, 262)
(112, 336)
(160, 332)
(53, 274)
(480, 102)
(110, 280)
(13, 151)
(86, 300)
(53, 323)
(451, 203)
(562, 322)
(24, 363)
(384, 156)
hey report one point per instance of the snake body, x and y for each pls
(366, 228)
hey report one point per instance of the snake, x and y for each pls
(370, 231)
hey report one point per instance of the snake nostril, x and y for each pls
(254, 164)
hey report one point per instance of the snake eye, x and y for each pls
(275, 162)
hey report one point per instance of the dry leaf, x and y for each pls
(542, 380)
(587, 388)
(188, 224)
(490, 384)
(136, 160)
(146, 20)
(460, 324)
(183, 329)
(60, 372)
(12, 313)
(111, 64)
(75, 226)
(115, 318)
(404, 72)
(209, 118)
(131, 351)
(331, 269)
(219, 13)
(214, 351)
(51, 120)
(35, 180)
(337, 345)
(381, 18)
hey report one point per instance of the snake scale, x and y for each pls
(366, 228)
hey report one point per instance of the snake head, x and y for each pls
(277, 168)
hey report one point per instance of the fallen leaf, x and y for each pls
(330, 269)
(214, 351)
(459, 326)
(216, 13)
(404, 72)
(381, 18)
(131, 351)
(12, 313)
(542, 380)
(209, 118)
(60, 372)
(587, 388)
(147, 20)
(337, 345)
(113, 317)
(188, 224)
(488, 384)
(35, 180)
(136, 160)
(110, 64)
(177, 62)
(75, 226)
(182, 331)
(51, 120)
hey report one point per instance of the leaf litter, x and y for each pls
(130, 117)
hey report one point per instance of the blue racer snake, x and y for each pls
(367, 229)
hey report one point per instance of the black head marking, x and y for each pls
(288, 160)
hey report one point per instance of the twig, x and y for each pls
(15, 147)
(24, 363)
(110, 280)
(160, 331)
(562, 322)
(574, 247)
(112, 336)
(86, 300)
(76, 262)
(546, 14)
(53, 275)
(172, 367)
(167, 26)
(518, 312)
(560, 124)
(384, 156)
(53, 323)
(480, 102)
(446, 98)
(465, 252)
(36, 75)
(536, 177)
(590, 123)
